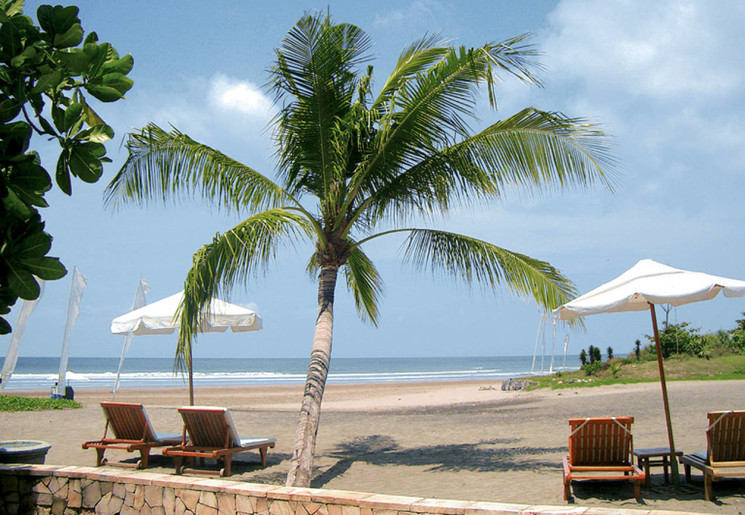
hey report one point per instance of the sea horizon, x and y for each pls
(33, 373)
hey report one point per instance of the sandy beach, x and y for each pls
(448, 440)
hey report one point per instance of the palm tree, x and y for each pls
(354, 165)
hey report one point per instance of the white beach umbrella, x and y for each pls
(160, 318)
(641, 287)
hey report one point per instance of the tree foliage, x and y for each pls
(48, 73)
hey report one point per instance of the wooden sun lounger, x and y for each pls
(132, 432)
(211, 434)
(725, 454)
(601, 448)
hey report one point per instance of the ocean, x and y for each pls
(41, 373)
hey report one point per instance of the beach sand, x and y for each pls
(447, 440)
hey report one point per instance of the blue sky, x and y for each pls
(664, 78)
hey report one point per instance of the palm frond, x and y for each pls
(233, 257)
(365, 284)
(432, 108)
(534, 150)
(165, 164)
(473, 260)
(315, 77)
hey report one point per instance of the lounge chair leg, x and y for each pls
(144, 454)
(566, 491)
(100, 460)
(177, 464)
(708, 487)
(687, 468)
(638, 490)
(262, 453)
(228, 459)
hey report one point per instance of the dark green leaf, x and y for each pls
(47, 82)
(71, 38)
(23, 283)
(98, 56)
(9, 108)
(34, 246)
(13, 205)
(63, 174)
(4, 326)
(73, 115)
(92, 37)
(110, 87)
(47, 268)
(58, 117)
(15, 137)
(92, 117)
(98, 134)
(76, 61)
(85, 162)
(30, 181)
(123, 65)
(29, 54)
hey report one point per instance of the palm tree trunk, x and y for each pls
(301, 467)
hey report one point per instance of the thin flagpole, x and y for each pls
(665, 402)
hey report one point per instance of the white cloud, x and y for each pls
(233, 95)
(655, 49)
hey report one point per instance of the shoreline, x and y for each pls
(448, 440)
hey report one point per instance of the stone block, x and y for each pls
(153, 496)
(180, 507)
(206, 510)
(557, 510)
(74, 498)
(10, 483)
(307, 508)
(41, 488)
(208, 499)
(119, 490)
(44, 499)
(190, 498)
(226, 503)
(281, 507)
(91, 495)
(169, 499)
(243, 504)
(58, 506)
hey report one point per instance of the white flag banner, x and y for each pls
(73, 309)
(139, 301)
(11, 357)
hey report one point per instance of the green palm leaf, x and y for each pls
(532, 150)
(164, 164)
(230, 258)
(473, 260)
(365, 284)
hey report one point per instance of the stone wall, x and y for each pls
(58, 490)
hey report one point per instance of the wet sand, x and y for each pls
(448, 440)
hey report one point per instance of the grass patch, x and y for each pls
(15, 403)
(625, 371)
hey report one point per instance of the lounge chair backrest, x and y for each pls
(726, 436)
(208, 426)
(128, 421)
(600, 441)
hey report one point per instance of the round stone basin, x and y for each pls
(23, 451)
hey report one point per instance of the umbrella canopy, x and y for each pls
(649, 282)
(641, 287)
(160, 318)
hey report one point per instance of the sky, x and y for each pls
(661, 78)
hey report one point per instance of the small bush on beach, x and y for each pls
(15, 403)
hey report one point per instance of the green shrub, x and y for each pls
(14, 403)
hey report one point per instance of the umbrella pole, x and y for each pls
(191, 381)
(673, 456)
